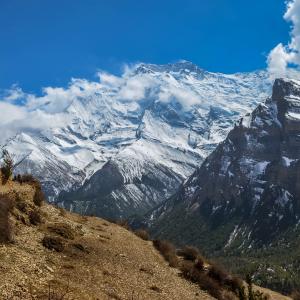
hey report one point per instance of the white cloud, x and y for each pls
(282, 56)
(36, 113)
(185, 97)
(15, 119)
(278, 60)
(10, 113)
(135, 88)
(109, 79)
(13, 94)
(20, 111)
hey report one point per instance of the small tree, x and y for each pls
(7, 166)
(254, 294)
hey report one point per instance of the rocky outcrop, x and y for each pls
(249, 187)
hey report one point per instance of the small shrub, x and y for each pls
(199, 263)
(189, 253)
(210, 285)
(190, 272)
(21, 206)
(7, 166)
(80, 247)
(53, 243)
(35, 217)
(254, 294)
(39, 197)
(62, 229)
(163, 246)
(168, 251)
(172, 259)
(143, 234)
(217, 273)
(155, 289)
(234, 283)
(186, 268)
(6, 225)
(26, 178)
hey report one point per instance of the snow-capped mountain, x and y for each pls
(248, 188)
(242, 205)
(128, 142)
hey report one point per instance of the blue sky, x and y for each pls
(45, 43)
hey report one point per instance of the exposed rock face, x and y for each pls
(247, 192)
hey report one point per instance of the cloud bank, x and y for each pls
(21, 111)
(282, 56)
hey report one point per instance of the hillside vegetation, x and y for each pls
(48, 253)
(52, 254)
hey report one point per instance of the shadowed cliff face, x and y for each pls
(249, 187)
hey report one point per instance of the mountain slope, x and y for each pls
(245, 196)
(151, 145)
(90, 258)
(54, 254)
(147, 130)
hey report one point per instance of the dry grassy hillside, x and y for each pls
(94, 259)
(48, 253)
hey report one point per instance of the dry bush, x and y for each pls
(6, 225)
(189, 253)
(218, 273)
(155, 289)
(35, 217)
(210, 285)
(79, 247)
(25, 178)
(186, 268)
(62, 229)
(143, 234)
(38, 197)
(295, 295)
(202, 279)
(215, 281)
(53, 243)
(199, 263)
(168, 251)
(254, 294)
(234, 283)
(21, 205)
(17, 178)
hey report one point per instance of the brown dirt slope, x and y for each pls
(99, 260)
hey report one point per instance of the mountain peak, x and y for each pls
(284, 87)
(180, 66)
